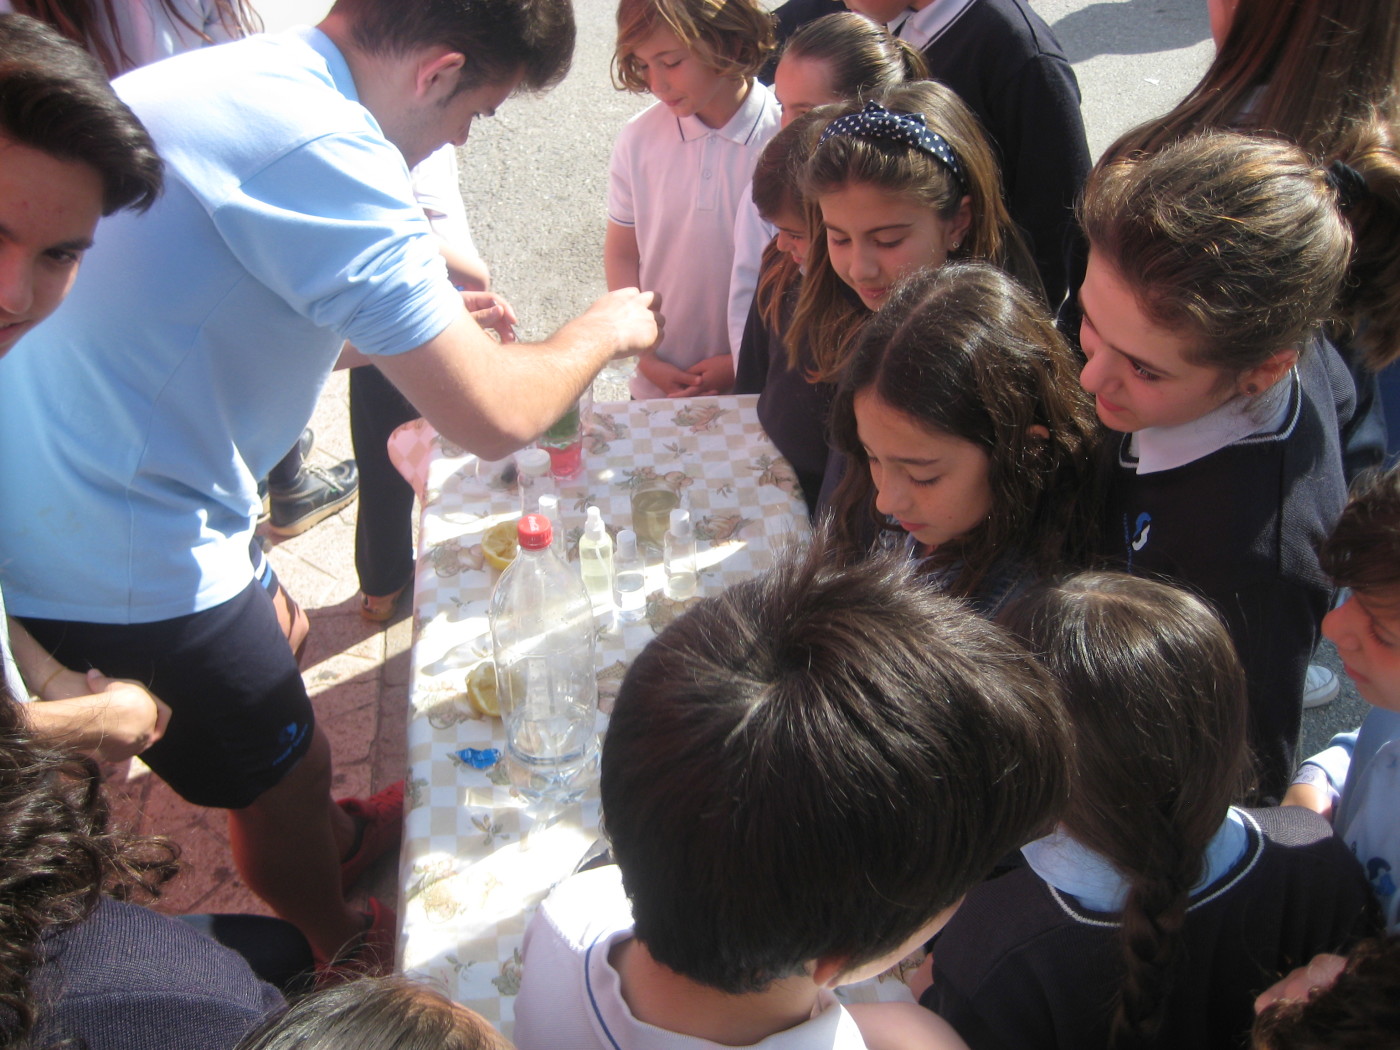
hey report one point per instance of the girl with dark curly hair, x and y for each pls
(79, 964)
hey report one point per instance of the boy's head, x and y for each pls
(70, 152)
(725, 38)
(376, 1012)
(811, 767)
(1363, 553)
(500, 41)
(1360, 1010)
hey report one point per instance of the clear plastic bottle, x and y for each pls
(630, 578)
(543, 635)
(678, 557)
(595, 563)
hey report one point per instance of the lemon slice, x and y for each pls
(481, 689)
(499, 544)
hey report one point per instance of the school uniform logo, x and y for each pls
(1135, 535)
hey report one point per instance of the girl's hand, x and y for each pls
(114, 719)
(674, 382)
(64, 685)
(127, 718)
(716, 375)
(492, 312)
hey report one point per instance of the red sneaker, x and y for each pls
(380, 822)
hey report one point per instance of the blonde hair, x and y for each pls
(730, 37)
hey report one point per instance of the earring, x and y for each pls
(956, 246)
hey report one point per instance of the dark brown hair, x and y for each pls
(826, 318)
(816, 763)
(1314, 72)
(1156, 768)
(729, 37)
(966, 351)
(1359, 1011)
(1363, 550)
(1235, 242)
(1321, 74)
(499, 38)
(55, 98)
(57, 857)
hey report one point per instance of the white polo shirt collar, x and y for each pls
(922, 27)
(1155, 449)
(740, 129)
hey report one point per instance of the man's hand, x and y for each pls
(716, 375)
(673, 381)
(1320, 973)
(492, 312)
(634, 318)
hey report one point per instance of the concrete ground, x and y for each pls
(535, 180)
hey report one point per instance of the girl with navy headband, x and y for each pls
(895, 185)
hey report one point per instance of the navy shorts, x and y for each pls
(240, 718)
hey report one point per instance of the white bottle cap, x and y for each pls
(549, 506)
(680, 521)
(532, 461)
(594, 525)
(626, 543)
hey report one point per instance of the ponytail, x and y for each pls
(1369, 305)
(1157, 768)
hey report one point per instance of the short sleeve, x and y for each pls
(621, 206)
(333, 230)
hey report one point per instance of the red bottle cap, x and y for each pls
(534, 532)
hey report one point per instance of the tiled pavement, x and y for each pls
(357, 675)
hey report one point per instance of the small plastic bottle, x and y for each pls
(549, 508)
(542, 632)
(678, 557)
(595, 562)
(631, 578)
(532, 465)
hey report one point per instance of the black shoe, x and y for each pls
(318, 493)
(305, 444)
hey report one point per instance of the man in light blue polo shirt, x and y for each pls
(134, 427)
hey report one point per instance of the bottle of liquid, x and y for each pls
(532, 466)
(595, 563)
(549, 508)
(631, 581)
(678, 557)
(543, 636)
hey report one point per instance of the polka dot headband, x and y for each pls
(909, 129)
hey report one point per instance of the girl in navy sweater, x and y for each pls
(1212, 267)
(967, 435)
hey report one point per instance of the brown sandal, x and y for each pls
(380, 608)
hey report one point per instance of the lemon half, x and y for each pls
(499, 544)
(481, 689)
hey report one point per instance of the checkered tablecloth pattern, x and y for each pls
(475, 863)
